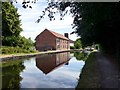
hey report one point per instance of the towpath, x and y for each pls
(108, 71)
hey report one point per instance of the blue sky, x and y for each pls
(32, 29)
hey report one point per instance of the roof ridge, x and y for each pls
(58, 34)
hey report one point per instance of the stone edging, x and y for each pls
(31, 55)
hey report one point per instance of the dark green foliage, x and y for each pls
(72, 47)
(18, 45)
(10, 41)
(11, 31)
(100, 24)
(10, 25)
(25, 43)
(10, 20)
(78, 44)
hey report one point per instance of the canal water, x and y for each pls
(59, 70)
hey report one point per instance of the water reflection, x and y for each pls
(81, 55)
(50, 62)
(11, 74)
(63, 70)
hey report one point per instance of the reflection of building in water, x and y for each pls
(52, 61)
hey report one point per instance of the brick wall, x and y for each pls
(62, 44)
(47, 41)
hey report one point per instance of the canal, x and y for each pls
(59, 70)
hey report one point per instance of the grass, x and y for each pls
(89, 75)
(6, 50)
(15, 50)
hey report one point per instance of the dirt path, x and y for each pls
(108, 71)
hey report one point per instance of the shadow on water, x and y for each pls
(50, 62)
(11, 73)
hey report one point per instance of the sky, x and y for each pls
(32, 29)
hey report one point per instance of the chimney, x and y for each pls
(66, 35)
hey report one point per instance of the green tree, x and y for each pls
(77, 44)
(26, 43)
(10, 24)
(11, 28)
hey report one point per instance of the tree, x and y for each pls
(25, 43)
(77, 44)
(10, 24)
(11, 28)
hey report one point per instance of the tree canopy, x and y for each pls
(77, 44)
(11, 28)
(10, 20)
(10, 24)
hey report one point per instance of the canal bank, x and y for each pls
(99, 71)
(17, 56)
(89, 75)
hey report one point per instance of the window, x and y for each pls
(57, 40)
(58, 46)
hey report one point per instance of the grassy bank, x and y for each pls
(89, 75)
(15, 50)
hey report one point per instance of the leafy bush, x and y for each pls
(72, 47)
(78, 44)
(12, 50)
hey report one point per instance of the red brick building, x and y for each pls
(49, 40)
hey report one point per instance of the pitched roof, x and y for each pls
(58, 35)
(55, 34)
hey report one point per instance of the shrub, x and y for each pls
(12, 50)
(72, 47)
